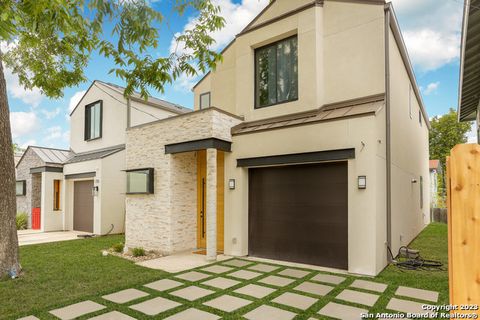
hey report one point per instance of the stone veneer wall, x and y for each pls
(24, 203)
(166, 220)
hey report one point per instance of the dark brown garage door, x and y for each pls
(83, 206)
(300, 213)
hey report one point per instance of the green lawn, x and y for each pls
(64, 272)
(60, 274)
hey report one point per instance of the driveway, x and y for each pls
(246, 289)
(26, 237)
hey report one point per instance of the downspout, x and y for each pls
(388, 133)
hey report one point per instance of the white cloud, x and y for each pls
(66, 136)
(236, 15)
(75, 99)
(432, 31)
(30, 97)
(185, 83)
(51, 114)
(53, 133)
(431, 88)
(23, 123)
(472, 134)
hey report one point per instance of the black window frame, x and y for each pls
(209, 100)
(256, 105)
(87, 132)
(151, 180)
(24, 188)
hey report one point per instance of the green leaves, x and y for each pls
(53, 40)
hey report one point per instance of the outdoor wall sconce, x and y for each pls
(362, 182)
(414, 180)
(231, 184)
(95, 191)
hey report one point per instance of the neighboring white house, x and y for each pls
(308, 143)
(84, 188)
(435, 170)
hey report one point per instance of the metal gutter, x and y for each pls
(388, 129)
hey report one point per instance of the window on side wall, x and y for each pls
(56, 195)
(140, 181)
(21, 188)
(421, 192)
(276, 73)
(93, 120)
(410, 100)
(205, 100)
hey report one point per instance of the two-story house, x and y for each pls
(83, 189)
(308, 143)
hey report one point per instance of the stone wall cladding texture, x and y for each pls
(24, 203)
(166, 220)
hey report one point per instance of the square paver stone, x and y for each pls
(328, 278)
(77, 310)
(255, 291)
(28, 318)
(193, 313)
(217, 269)
(263, 267)
(294, 273)
(113, 315)
(192, 293)
(295, 300)
(369, 285)
(193, 276)
(340, 311)
(314, 288)
(155, 306)
(417, 294)
(237, 263)
(244, 274)
(406, 306)
(277, 281)
(227, 303)
(267, 312)
(164, 284)
(221, 283)
(367, 299)
(125, 296)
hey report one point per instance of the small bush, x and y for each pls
(118, 247)
(138, 252)
(22, 221)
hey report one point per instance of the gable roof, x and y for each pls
(48, 155)
(151, 101)
(95, 154)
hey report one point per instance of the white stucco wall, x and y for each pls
(51, 220)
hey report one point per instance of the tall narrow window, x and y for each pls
(205, 100)
(56, 195)
(421, 192)
(21, 188)
(93, 120)
(410, 100)
(276, 73)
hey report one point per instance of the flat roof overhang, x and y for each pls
(195, 145)
(469, 89)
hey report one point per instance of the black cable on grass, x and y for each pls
(414, 263)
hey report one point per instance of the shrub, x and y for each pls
(22, 221)
(118, 247)
(138, 252)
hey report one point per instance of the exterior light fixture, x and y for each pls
(95, 191)
(414, 180)
(362, 182)
(231, 184)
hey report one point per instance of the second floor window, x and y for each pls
(276, 73)
(93, 120)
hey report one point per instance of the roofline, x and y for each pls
(466, 12)
(397, 35)
(25, 152)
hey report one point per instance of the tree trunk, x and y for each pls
(8, 206)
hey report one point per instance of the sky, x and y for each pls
(431, 30)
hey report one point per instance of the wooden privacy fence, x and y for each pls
(463, 201)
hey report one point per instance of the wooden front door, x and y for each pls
(202, 199)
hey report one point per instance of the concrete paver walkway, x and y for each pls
(240, 288)
(27, 237)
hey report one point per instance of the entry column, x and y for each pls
(211, 204)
